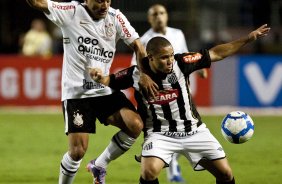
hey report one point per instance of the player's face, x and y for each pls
(157, 17)
(162, 62)
(98, 8)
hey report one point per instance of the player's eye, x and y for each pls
(165, 57)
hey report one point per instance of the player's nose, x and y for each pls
(170, 60)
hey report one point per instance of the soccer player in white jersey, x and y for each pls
(91, 31)
(171, 121)
(158, 19)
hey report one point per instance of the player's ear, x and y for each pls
(150, 57)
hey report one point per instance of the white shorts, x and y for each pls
(197, 146)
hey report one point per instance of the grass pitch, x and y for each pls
(32, 145)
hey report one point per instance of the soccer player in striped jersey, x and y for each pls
(172, 123)
(158, 19)
(91, 31)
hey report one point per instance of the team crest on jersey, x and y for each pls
(109, 30)
(77, 119)
(192, 57)
(172, 78)
(164, 97)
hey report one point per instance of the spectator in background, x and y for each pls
(37, 41)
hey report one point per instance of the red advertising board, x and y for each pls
(26, 81)
(29, 81)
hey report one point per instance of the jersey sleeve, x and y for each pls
(125, 31)
(192, 61)
(123, 79)
(61, 13)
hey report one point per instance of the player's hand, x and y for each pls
(96, 74)
(260, 32)
(148, 86)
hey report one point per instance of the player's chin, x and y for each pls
(102, 16)
(168, 70)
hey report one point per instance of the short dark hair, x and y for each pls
(156, 43)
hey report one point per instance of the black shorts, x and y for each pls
(80, 114)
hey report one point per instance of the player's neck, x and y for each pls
(156, 73)
(160, 30)
(91, 14)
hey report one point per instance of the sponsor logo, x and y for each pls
(148, 146)
(266, 89)
(63, 7)
(92, 85)
(124, 28)
(179, 134)
(87, 46)
(192, 57)
(122, 73)
(77, 119)
(164, 97)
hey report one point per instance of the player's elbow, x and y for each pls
(215, 56)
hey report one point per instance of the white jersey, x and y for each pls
(87, 43)
(173, 35)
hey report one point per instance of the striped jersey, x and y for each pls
(87, 43)
(173, 109)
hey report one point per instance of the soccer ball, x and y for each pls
(237, 127)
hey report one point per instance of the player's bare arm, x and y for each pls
(41, 5)
(145, 82)
(222, 51)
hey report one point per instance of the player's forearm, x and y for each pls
(222, 51)
(140, 53)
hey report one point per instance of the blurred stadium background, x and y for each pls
(31, 122)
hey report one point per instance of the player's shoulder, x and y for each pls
(113, 12)
(147, 36)
(174, 30)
